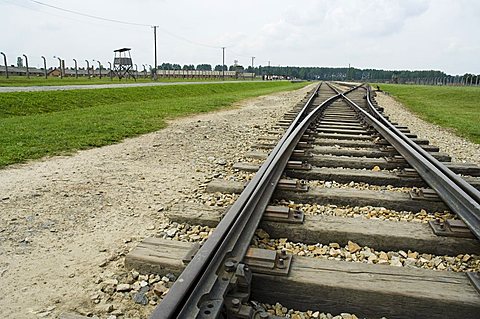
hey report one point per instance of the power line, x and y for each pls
(128, 23)
(124, 22)
(36, 9)
(89, 15)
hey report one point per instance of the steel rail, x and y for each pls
(460, 196)
(469, 189)
(172, 305)
(200, 290)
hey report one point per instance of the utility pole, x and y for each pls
(223, 63)
(155, 50)
(253, 70)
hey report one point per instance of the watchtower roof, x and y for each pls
(122, 50)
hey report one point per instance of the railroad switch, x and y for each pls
(236, 302)
(260, 261)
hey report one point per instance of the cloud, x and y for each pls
(407, 34)
(373, 17)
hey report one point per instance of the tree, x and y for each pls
(236, 68)
(218, 67)
(19, 62)
(188, 67)
(204, 67)
(176, 67)
(166, 66)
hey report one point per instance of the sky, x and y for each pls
(382, 34)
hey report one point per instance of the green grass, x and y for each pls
(36, 124)
(51, 81)
(457, 108)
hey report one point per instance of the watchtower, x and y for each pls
(122, 63)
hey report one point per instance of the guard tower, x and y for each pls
(122, 64)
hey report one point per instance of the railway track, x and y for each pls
(337, 196)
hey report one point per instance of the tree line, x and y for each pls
(312, 73)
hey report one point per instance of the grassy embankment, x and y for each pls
(36, 124)
(52, 81)
(453, 107)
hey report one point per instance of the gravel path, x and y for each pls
(5, 89)
(460, 149)
(67, 221)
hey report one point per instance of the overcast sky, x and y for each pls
(383, 34)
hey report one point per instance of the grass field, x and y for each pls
(452, 107)
(36, 124)
(41, 81)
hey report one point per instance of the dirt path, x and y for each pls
(66, 221)
(5, 89)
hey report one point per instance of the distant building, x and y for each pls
(70, 72)
(14, 70)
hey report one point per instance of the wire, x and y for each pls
(189, 41)
(89, 15)
(37, 9)
(125, 22)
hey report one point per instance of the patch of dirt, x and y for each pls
(65, 222)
